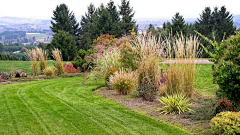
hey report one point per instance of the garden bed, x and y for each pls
(196, 122)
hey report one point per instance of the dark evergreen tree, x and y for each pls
(127, 21)
(164, 26)
(65, 42)
(223, 23)
(151, 27)
(64, 20)
(204, 24)
(86, 31)
(1, 47)
(112, 9)
(178, 25)
(103, 24)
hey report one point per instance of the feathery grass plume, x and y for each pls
(181, 75)
(124, 81)
(150, 51)
(58, 64)
(32, 55)
(42, 55)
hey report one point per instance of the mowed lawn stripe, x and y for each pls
(66, 106)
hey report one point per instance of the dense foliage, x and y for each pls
(226, 123)
(83, 60)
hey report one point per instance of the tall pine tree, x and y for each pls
(127, 21)
(112, 9)
(178, 25)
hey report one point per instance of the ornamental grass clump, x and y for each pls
(32, 55)
(58, 64)
(180, 75)
(42, 56)
(124, 81)
(49, 71)
(176, 103)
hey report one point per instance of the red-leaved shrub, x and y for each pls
(69, 68)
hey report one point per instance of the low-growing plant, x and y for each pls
(176, 103)
(110, 71)
(68, 68)
(226, 123)
(84, 60)
(58, 64)
(48, 71)
(224, 105)
(124, 81)
(147, 91)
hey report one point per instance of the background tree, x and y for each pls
(178, 25)
(42, 46)
(86, 31)
(112, 9)
(1, 47)
(64, 41)
(127, 22)
(64, 20)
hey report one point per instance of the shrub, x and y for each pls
(68, 67)
(226, 123)
(223, 105)
(110, 71)
(176, 103)
(147, 91)
(226, 69)
(82, 60)
(41, 57)
(58, 58)
(124, 81)
(49, 71)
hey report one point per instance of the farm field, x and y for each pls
(66, 106)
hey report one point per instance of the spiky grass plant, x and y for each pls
(181, 75)
(42, 55)
(32, 55)
(58, 64)
(124, 81)
(176, 103)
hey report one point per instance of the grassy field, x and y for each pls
(66, 106)
(25, 65)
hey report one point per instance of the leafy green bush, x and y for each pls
(226, 71)
(82, 61)
(226, 123)
(49, 71)
(124, 81)
(176, 103)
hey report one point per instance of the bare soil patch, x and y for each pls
(150, 109)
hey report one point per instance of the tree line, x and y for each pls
(69, 35)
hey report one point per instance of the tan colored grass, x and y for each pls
(181, 75)
(42, 56)
(58, 64)
(48, 71)
(32, 55)
(124, 81)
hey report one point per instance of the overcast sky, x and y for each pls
(43, 9)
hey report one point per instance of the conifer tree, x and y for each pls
(65, 42)
(112, 9)
(64, 20)
(103, 23)
(178, 25)
(127, 21)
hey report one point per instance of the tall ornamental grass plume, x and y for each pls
(32, 55)
(42, 56)
(149, 51)
(58, 64)
(181, 74)
(124, 81)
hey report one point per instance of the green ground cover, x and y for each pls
(25, 65)
(66, 106)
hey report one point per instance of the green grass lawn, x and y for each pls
(25, 65)
(66, 106)
(204, 80)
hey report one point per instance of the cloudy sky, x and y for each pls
(43, 9)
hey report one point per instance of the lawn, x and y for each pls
(25, 65)
(66, 106)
